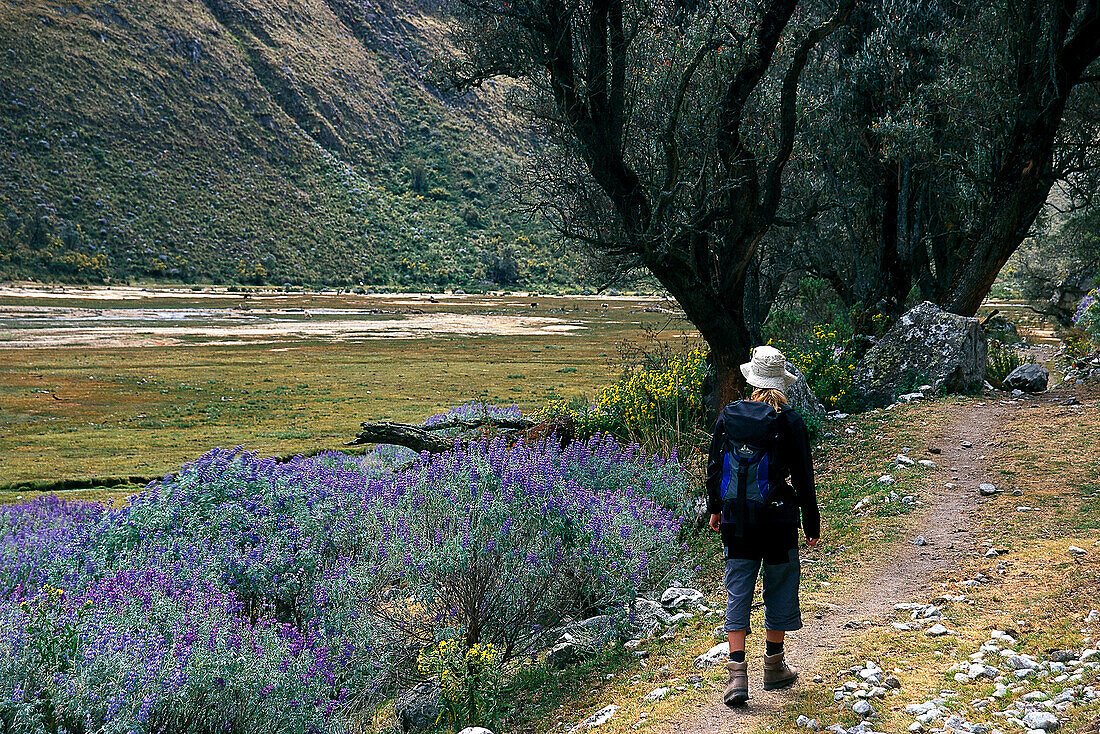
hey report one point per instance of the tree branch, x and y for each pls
(788, 116)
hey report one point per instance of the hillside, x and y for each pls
(252, 141)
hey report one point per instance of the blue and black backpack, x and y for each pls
(748, 455)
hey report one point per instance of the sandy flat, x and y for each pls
(243, 329)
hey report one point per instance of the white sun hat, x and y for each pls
(767, 369)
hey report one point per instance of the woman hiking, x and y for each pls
(758, 444)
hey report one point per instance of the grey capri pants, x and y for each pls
(781, 610)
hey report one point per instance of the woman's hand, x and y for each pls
(716, 523)
(811, 542)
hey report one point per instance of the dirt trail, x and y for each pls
(899, 573)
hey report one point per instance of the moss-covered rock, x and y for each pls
(802, 397)
(927, 346)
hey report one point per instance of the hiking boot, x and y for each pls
(777, 674)
(737, 690)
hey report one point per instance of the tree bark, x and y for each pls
(402, 434)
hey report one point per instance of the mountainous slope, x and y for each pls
(253, 141)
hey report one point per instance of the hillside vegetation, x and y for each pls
(249, 141)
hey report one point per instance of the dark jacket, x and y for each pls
(745, 419)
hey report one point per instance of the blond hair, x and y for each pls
(775, 398)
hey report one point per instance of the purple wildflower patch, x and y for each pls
(248, 594)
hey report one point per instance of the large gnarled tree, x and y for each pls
(671, 127)
(948, 127)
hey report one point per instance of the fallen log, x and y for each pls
(506, 424)
(422, 438)
(401, 434)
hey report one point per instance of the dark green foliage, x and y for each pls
(502, 267)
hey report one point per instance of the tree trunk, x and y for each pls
(729, 382)
(721, 321)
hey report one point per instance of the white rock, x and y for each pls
(904, 460)
(1075, 551)
(927, 463)
(1023, 662)
(1041, 720)
(930, 612)
(678, 597)
(919, 540)
(597, 719)
(475, 730)
(720, 653)
(977, 670)
(680, 617)
(657, 693)
(862, 708)
(936, 630)
(886, 479)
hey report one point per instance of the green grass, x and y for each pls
(159, 141)
(145, 410)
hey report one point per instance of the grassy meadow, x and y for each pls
(76, 402)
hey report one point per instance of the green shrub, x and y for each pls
(472, 679)
(1002, 360)
(659, 406)
(827, 364)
